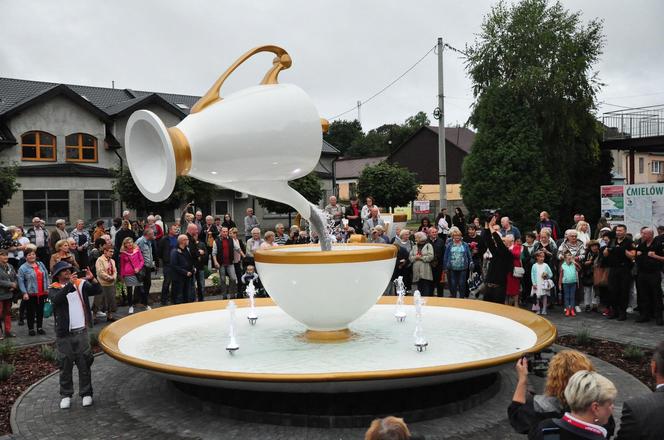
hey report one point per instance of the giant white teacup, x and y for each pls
(326, 291)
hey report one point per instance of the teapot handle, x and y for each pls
(281, 62)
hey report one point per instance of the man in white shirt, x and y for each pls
(72, 316)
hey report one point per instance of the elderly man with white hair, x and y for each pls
(649, 260)
(38, 235)
(57, 234)
(507, 228)
(372, 221)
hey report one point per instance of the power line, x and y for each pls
(386, 87)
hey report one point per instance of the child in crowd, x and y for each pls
(540, 275)
(590, 260)
(251, 275)
(567, 282)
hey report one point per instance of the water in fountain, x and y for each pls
(251, 292)
(400, 288)
(320, 224)
(420, 342)
(232, 341)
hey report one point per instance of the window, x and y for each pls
(38, 145)
(641, 165)
(81, 147)
(47, 205)
(221, 207)
(657, 167)
(97, 204)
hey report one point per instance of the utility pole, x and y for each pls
(442, 165)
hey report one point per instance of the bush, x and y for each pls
(215, 280)
(94, 340)
(6, 370)
(48, 353)
(207, 272)
(583, 336)
(6, 350)
(633, 353)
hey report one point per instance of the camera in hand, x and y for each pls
(488, 214)
(538, 364)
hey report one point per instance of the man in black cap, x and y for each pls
(72, 317)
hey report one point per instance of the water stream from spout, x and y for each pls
(320, 225)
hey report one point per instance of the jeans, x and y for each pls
(569, 294)
(140, 295)
(75, 349)
(457, 281)
(200, 283)
(166, 286)
(36, 310)
(231, 289)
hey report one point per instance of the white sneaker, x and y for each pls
(544, 312)
(148, 308)
(131, 310)
(578, 309)
(101, 314)
(87, 400)
(65, 403)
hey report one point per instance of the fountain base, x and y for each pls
(346, 410)
(327, 336)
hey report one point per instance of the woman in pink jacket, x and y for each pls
(131, 263)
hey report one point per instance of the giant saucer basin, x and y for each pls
(186, 343)
(326, 291)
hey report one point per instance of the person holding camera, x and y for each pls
(619, 255)
(500, 263)
(527, 409)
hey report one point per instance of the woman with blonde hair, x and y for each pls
(268, 242)
(527, 411)
(583, 231)
(63, 253)
(590, 398)
(131, 263)
(389, 428)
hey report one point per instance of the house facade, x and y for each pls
(67, 138)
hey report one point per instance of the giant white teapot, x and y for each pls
(253, 141)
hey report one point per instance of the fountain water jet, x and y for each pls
(232, 346)
(251, 292)
(399, 312)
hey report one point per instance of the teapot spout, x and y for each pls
(277, 190)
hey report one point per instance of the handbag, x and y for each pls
(600, 276)
(140, 275)
(48, 309)
(518, 272)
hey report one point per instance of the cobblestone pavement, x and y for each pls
(132, 404)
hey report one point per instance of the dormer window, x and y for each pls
(38, 145)
(81, 147)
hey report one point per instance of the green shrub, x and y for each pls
(633, 353)
(94, 340)
(207, 272)
(6, 370)
(215, 280)
(583, 336)
(6, 350)
(48, 353)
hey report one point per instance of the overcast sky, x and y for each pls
(343, 51)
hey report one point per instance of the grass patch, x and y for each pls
(6, 350)
(633, 353)
(6, 370)
(48, 353)
(583, 336)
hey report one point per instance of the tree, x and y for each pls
(186, 189)
(342, 134)
(309, 186)
(540, 58)
(390, 185)
(8, 183)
